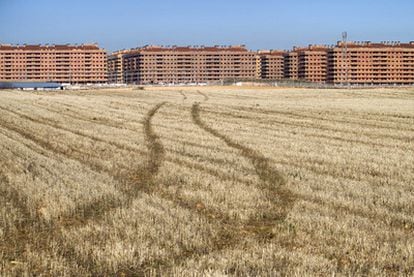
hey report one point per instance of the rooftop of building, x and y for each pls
(175, 48)
(86, 46)
(356, 44)
(215, 48)
(272, 52)
(312, 47)
(382, 44)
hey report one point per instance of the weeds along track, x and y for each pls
(273, 181)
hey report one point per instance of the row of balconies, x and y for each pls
(368, 67)
(364, 56)
(411, 70)
(189, 74)
(53, 69)
(189, 68)
(353, 76)
(198, 54)
(188, 61)
(54, 62)
(194, 73)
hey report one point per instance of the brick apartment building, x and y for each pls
(116, 65)
(312, 63)
(84, 63)
(271, 64)
(353, 63)
(291, 65)
(357, 63)
(157, 64)
(371, 63)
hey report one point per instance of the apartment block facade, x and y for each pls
(115, 67)
(291, 62)
(84, 63)
(371, 63)
(312, 63)
(158, 64)
(358, 63)
(271, 64)
(353, 63)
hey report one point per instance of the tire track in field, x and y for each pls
(232, 232)
(89, 211)
(206, 98)
(54, 125)
(155, 148)
(38, 233)
(272, 180)
(183, 95)
(136, 181)
(94, 209)
(139, 180)
(76, 154)
(269, 176)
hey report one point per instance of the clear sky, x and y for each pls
(260, 24)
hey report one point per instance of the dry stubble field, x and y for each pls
(207, 181)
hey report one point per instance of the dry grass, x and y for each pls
(207, 181)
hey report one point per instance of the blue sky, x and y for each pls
(260, 24)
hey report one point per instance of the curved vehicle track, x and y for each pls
(183, 95)
(206, 98)
(145, 173)
(231, 231)
(41, 233)
(270, 223)
(272, 180)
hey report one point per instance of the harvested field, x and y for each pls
(210, 181)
